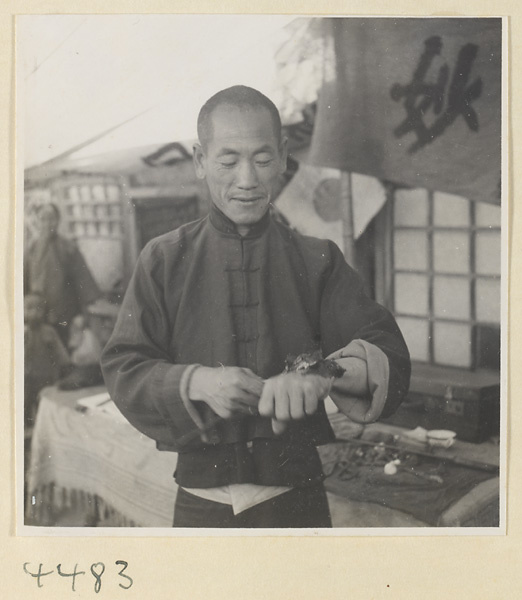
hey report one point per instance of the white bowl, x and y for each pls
(441, 438)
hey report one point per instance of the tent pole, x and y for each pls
(347, 218)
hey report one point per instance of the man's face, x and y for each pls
(33, 310)
(48, 221)
(241, 163)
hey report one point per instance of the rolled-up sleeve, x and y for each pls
(354, 325)
(140, 375)
(377, 373)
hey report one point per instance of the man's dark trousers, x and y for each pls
(299, 507)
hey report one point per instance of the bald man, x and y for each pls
(197, 357)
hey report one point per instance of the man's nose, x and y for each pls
(247, 176)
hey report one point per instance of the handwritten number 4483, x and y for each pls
(96, 569)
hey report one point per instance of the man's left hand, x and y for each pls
(292, 396)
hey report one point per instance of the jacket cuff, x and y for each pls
(184, 386)
(182, 415)
(378, 372)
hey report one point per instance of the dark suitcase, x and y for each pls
(467, 402)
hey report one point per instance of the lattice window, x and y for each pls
(92, 209)
(445, 277)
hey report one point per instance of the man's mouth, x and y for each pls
(246, 199)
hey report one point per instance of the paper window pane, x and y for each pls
(98, 193)
(416, 334)
(451, 252)
(450, 210)
(411, 294)
(411, 207)
(85, 193)
(451, 297)
(117, 229)
(102, 212)
(452, 344)
(487, 252)
(487, 295)
(410, 250)
(112, 192)
(74, 194)
(88, 211)
(487, 215)
(115, 211)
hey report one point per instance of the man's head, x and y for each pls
(242, 97)
(241, 153)
(34, 309)
(48, 219)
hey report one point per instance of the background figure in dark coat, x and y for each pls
(55, 268)
(46, 358)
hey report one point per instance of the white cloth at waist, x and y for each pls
(240, 496)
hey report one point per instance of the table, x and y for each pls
(97, 463)
(94, 469)
(467, 495)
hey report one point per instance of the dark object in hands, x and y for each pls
(313, 363)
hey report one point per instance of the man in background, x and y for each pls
(55, 269)
(197, 357)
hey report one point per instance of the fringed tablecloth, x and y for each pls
(97, 467)
(98, 464)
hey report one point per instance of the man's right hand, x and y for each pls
(229, 391)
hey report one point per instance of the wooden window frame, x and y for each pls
(385, 272)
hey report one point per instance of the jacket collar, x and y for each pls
(225, 225)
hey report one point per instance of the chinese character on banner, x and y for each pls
(416, 102)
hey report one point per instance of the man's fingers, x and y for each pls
(254, 385)
(278, 427)
(246, 398)
(297, 406)
(246, 387)
(247, 408)
(222, 411)
(266, 402)
(250, 383)
(288, 397)
(282, 403)
(311, 402)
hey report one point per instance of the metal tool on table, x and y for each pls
(454, 460)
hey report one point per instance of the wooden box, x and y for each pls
(444, 398)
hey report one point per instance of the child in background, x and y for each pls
(46, 358)
(85, 350)
(84, 346)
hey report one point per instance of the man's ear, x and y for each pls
(199, 159)
(283, 151)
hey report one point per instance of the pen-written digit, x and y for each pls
(73, 574)
(121, 574)
(97, 575)
(37, 575)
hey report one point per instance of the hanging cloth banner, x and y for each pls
(414, 101)
(312, 202)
